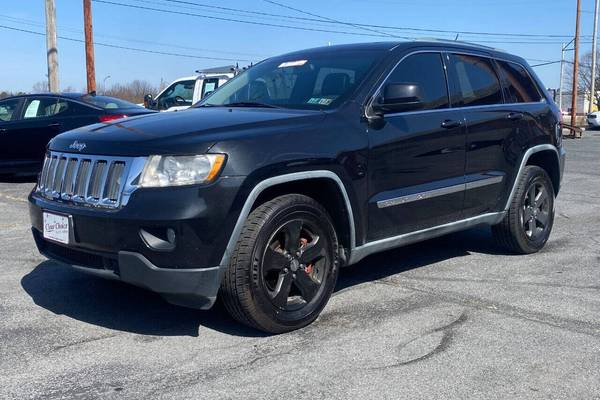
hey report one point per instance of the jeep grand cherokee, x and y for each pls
(302, 164)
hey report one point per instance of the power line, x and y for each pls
(330, 20)
(114, 46)
(30, 22)
(234, 20)
(297, 27)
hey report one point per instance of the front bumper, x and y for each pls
(194, 288)
(130, 244)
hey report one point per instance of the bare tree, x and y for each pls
(133, 91)
(40, 87)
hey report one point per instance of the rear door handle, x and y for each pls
(451, 124)
(515, 116)
(2, 130)
(54, 125)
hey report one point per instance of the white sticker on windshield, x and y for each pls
(322, 101)
(288, 64)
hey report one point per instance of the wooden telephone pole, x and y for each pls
(51, 47)
(89, 46)
(576, 70)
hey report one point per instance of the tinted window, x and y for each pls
(309, 80)
(474, 81)
(42, 107)
(107, 102)
(427, 71)
(8, 110)
(519, 85)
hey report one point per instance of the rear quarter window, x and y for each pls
(520, 87)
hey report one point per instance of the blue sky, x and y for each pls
(23, 60)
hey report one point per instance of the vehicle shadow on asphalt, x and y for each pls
(122, 307)
(119, 306)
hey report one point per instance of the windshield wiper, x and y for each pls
(249, 104)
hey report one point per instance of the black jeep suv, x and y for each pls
(300, 165)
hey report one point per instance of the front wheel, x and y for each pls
(527, 225)
(285, 265)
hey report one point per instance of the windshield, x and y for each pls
(310, 81)
(107, 103)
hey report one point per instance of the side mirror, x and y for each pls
(398, 97)
(148, 101)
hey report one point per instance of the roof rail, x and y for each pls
(449, 41)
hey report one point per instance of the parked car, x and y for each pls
(183, 92)
(28, 122)
(305, 163)
(593, 120)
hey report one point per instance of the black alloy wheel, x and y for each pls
(536, 211)
(285, 265)
(527, 225)
(294, 264)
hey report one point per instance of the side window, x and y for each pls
(427, 71)
(178, 94)
(8, 110)
(42, 107)
(208, 86)
(519, 85)
(474, 81)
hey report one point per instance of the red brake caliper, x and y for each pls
(309, 268)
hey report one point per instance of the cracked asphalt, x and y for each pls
(450, 318)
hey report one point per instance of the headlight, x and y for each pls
(161, 171)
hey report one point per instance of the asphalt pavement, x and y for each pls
(452, 318)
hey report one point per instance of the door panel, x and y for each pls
(475, 86)
(415, 166)
(9, 115)
(417, 158)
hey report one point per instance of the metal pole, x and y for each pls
(51, 47)
(562, 72)
(593, 90)
(575, 68)
(89, 46)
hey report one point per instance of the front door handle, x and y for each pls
(3, 130)
(515, 116)
(451, 124)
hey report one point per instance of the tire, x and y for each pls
(527, 225)
(284, 267)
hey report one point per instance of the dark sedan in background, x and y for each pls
(28, 122)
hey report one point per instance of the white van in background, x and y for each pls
(184, 92)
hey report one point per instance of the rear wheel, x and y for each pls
(285, 265)
(527, 225)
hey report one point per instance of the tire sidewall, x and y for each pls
(268, 315)
(534, 175)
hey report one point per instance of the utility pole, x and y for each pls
(89, 46)
(562, 72)
(51, 47)
(575, 70)
(593, 92)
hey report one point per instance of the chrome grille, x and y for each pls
(88, 180)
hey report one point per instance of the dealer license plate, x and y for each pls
(56, 227)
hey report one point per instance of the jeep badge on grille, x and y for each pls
(77, 146)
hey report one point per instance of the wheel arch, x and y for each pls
(545, 156)
(548, 161)
(325, 186)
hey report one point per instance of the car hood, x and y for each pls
(191, 131)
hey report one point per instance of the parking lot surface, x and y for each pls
(453, 317)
